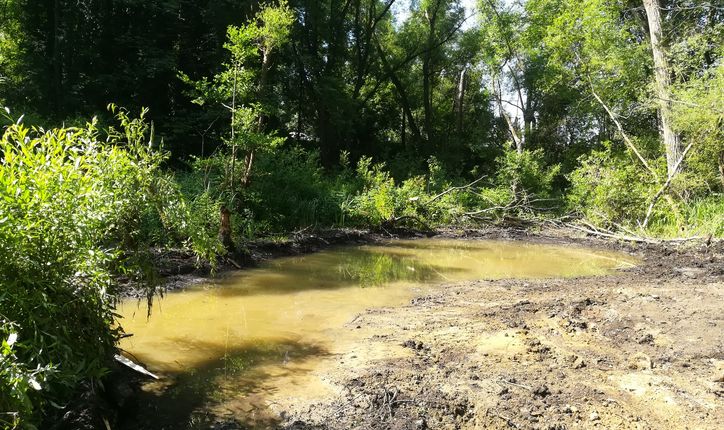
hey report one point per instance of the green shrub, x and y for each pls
(290, 190)
(375, 204)
(414, 202)
(72, 209)
(19, 382)
(610, 187)
(526, 172)
(701, 217)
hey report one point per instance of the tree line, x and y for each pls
(355, 76)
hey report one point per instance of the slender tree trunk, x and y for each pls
(261, 120)
(672, 142)
(427, 71)
(233, 127)
(517, 141)
(403, 129)
(56, 57)
(402, 92)
(460, 99)
(528, 119)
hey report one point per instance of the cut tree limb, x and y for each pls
(631, 238)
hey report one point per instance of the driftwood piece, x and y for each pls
(626, 139)
(133, 366)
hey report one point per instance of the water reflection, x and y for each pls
(232, 372)
(229, 348)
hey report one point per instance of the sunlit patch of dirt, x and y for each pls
(639, 349)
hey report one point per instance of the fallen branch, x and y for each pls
(663, 188)
(626, 139)
(514, 204)
(516, 385)
(450, 190)
(628, 238)
(133, 366)
(233, 263)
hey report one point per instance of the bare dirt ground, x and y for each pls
(640, 349)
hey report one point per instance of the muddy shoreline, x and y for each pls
(549, 354)
(178, 269)
(639, 349)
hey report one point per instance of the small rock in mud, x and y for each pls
(640, 361)
(570, 409)
(594, 416)
(690, 272)
(535, 347)
(541, 391)
(413, 344)
(647, 339)
(578, 363)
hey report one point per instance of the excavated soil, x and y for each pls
(639, 349)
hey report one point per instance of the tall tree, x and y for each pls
(662, 74)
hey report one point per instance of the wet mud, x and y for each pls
(641, 348)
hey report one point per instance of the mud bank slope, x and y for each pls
(639, 349)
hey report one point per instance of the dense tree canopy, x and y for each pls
(398, 80)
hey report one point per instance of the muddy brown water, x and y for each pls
(237, 348)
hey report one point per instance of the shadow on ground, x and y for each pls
(186, 400)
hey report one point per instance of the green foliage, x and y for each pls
(79, 205)
(72, 206)
(18, 382)
(414, 202)
(291, 191)
(376, 203)
(700, 119)
(526, 172)
(241, 87)
(699, 217)
(610, 187)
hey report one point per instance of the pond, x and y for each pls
(234, 347)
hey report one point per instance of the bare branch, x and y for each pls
(450, 190)
(626, 139)
(666, 185)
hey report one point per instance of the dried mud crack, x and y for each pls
(639, 349)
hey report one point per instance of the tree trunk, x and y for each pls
(404, 99)
(528, 120)
(225, 229)
(57, 96)
(403, 129)
(672, 143)
(497, 92)
(261, 120)
(427, 71)
(459, 105)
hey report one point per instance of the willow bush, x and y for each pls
(72, 205)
